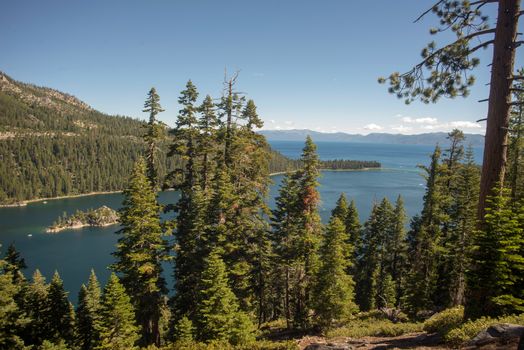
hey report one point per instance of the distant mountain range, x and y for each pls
(433, 138)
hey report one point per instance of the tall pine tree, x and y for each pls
(154, 131)
(116, 326)
(140, 252)
(333, 291)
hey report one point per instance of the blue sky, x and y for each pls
(307, 64)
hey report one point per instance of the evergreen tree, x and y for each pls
(218, 311)
(61, 315)
(496, 274)
(14, 264)
(88, 313)
(140, 252)
(208, 125)
(354, 232)
(341, 209)
(397, 251)
(283, 236)
(190, 208)
(425, 238)
(12, 318)
(373, 262)
(445, 71)
(184, 330)
(154, 130)
(333, 291)
(310, 227)
(36, 307)
(462, 226)
(116, 325)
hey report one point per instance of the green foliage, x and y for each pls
(116, 325)
(219, 318)
(497, 273)
(140, 252)
(153, 134)
(184, 330)
(35, 305)
(48, 345)
(60, 319)
(469, 329)
(12, 318)
(296, 236)
(333, 291)
(381, 257)
(445, 321)
(87, 314)
(373, 325)
(444, 71)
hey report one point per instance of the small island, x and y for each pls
(103, 216)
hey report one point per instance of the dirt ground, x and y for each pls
(418, 341)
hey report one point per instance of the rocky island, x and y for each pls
(103, 216)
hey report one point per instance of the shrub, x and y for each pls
(368, 325)
(444, 321)
(468, 330)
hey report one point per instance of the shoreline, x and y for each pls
(36, 200)
(26, 202)
(74, 227)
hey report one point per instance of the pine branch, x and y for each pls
(428, 11)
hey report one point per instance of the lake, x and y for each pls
(74, 252)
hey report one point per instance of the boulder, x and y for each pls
(499, 332)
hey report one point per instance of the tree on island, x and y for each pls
(445, 72)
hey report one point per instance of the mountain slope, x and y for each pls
(420, 139)
(52, 144)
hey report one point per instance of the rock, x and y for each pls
(499, 332)
(329, 346)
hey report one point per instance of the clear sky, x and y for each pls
(307, 64)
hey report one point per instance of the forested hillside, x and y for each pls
(52, 144)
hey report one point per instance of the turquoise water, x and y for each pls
(74, 252)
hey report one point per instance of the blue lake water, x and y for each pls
(74, 252)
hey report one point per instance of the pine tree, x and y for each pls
(309, 227)
(218, 311)
(296, 236)
(184, 330)
(425, 238)
(333, 291)
(283, 236)
(373, 263)
(341, 209)
(397, 250)
(61, 315)
(445, 71)
(354, 232)
(116, 325)
(154, 130)
(14, 264)
(12, 318)
(87, 314)
(191, 207)
(462, 227)
(496, 274)
(140, 252)
(208, 125)
(35, 305)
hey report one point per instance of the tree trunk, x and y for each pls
(495, 146)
